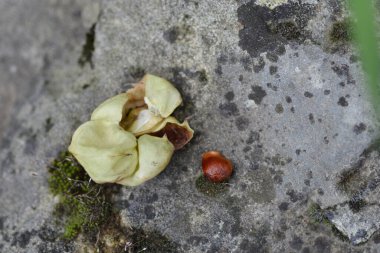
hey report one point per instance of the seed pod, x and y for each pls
(106, 146)
(178, 133)
(105, 150)
(216, 167)
(154, 155)
(161, 96)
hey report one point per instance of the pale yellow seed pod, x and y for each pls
(160, 95)
(154, 155)
(105, 150)
(111, 109)
(107, 147)
(142, 121)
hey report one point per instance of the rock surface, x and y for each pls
(267, 83)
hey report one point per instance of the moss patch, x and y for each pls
(209, 188)
(83, 205)
(341, 31)
(319, 216)
(86, 208)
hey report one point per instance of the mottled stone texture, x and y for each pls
(269, 88)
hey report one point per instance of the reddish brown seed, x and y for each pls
(216, 167)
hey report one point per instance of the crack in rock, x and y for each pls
(358, 218)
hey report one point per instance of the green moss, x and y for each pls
(209, 188)
(341, 31)
(339, 234)
(318, 216)
(85, 207)
(83, 204)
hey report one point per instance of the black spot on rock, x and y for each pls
(177, 33)
(229, 109)
(279, 109)
(272, 70)
(359, 128)
(376, 238)
(353, 58)
(202, 76)
(31, 145)
(283, 206)
(308, 94)
(322, 245)
(257, 94)
(294, 196)
(247, 149)
(22, 239)
(2, 220)
(242, 123)
(356, 204)
(343, 71)
(259, 65)
(296, 243)
(280, 50)
(342, 102)
(229, 96)
(311, 118)
(47, 234)
(288, 99)
(253, 137)
(247, 63)
(136, 72)
(150, 212)
(88, 48)
(273, 87)
(326, 92)
(221, 60)
(292, 109)
(48, 125)
(267, 30)
(171, 34)
(257, 241)
(272, 57)
(152, 198)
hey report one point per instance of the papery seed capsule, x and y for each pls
(216, 167)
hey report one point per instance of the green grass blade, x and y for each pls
(364, 32)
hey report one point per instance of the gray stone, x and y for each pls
(266, 87)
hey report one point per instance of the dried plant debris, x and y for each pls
(131, 137)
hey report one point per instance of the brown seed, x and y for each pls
(216, 167)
